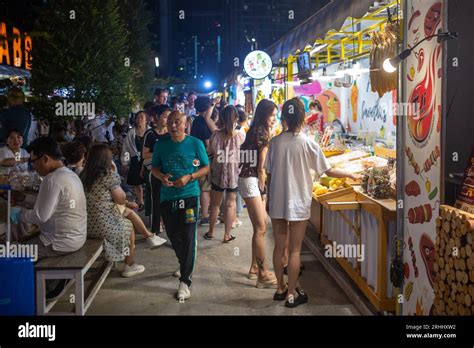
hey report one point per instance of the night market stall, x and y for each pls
(374, 77)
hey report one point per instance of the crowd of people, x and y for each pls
(186, 162)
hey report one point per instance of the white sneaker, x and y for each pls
(130, 271)
(237, 224)
(155, 241)
(177, 273)
(183, 292)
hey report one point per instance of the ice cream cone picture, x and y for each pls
(354, 99)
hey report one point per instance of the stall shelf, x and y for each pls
(351, 217)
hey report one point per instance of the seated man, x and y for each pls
(59, 210)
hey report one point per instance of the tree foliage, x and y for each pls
(84, 52)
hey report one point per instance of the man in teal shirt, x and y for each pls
(178, 161)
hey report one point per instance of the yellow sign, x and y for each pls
(15, 49)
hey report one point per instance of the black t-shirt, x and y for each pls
(149, 141)
(200, 129)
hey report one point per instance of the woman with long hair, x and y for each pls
(252, 187)
(109, 215)
(131, 154)
(291, 156)
(224, 146)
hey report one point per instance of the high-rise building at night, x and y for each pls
(205, 39)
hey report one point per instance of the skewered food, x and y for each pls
(432, 160)
(412, 161)
(420, 214)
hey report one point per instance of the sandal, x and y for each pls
(293, 302)
(207, 236)
(252, 276)
(282, 296)
(230, 239)
(270, 283)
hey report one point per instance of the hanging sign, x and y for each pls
(422, 147)
(258, 65)
(15, 47)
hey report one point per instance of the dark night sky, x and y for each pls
(265, 19)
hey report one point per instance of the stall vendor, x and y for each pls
(315, 118)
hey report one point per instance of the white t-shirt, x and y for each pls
(6, 152)
(289, 160)
(60, 211)
(98, 129)
(109, 129)
(190, 112)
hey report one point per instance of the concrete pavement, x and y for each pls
(220, 286)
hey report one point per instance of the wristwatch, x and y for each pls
(192, 177)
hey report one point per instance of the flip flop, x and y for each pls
(230, 239)
(207, 236)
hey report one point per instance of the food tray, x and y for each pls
(332, 194)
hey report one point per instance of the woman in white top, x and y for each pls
(291, 156)
(12, 156)
(132, 157)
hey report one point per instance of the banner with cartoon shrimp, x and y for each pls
(423, 82)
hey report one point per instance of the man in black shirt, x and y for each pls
(158, 118)
(202, 128)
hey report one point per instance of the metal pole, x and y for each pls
(8, 217)
(443, 115)
(401, 122)
(195, 57)
(218, 49)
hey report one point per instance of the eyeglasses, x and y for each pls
(33, 160)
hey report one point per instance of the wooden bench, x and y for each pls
(72, 266)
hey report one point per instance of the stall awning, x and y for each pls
(6, 70)
(331, 16)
